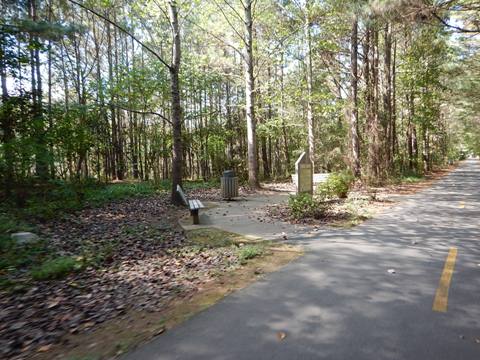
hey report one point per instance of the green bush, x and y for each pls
(56, 268)
(337, 184)
(249, 252)
(303, 206)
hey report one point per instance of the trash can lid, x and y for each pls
(229, 173)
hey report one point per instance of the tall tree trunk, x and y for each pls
(394, 102)
(372, 88)
(250, 97)
(7, 123)
(177, 156)
(49, 108)
(387, 97)
(41, 152)
(229, 150)
(309, 69)
(286, 149)
(412, 135)
(354, 99)
(113, 115)
(119, 128)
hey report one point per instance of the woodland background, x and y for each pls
(153, 90)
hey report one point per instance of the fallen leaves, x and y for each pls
(281, 335)
(44, 348)
(150, 262)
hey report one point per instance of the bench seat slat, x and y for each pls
(195, 204)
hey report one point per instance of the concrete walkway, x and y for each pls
(246, 216)
(340, 301)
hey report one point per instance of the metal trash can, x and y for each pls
(229, 185)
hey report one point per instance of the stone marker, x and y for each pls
(304, 170)
(22, 238)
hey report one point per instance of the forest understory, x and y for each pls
(134, 265)
(107, 106)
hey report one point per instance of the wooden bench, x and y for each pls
(193, 205)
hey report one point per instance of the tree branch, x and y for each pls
(140, 112)
(123, 30)
(458, 28)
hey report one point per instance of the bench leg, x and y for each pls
(194, 214)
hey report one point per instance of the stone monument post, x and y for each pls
(304, 172)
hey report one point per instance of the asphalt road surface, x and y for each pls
(405, 285)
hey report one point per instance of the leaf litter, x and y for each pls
(136, 259)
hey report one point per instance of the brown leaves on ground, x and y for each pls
(144, 261)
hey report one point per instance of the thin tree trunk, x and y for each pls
(354, 94)
(177, 156)
(282, 116)
(394, 102)
(113, 160)
(309, 69)
(387, 101)
(250, 97)
(6, 121)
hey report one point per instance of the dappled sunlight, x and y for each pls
(341, 295)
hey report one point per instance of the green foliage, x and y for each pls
(9, 223)
(56, 268)
(411, 179)
(337, 184)
(13, 256)
(46, 201)
(248, 252)
(303, 206)
(193, 185)
(99, 196)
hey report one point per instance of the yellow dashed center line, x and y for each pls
(441, 297)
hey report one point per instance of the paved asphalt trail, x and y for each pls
(339, 301)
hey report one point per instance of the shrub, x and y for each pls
(249, 252)
(56, 268)
(337, 184)
(303, 206)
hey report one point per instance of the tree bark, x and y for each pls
(309, 68)
(177, 156)
(6, 122)
(387, 97)
(250, 98)
(354, 99)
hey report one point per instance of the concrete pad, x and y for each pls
(246, 216)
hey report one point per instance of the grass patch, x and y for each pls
(249, 252)
(200, 184)
(214, 238)
(9, 223)
(411, 179)
(56, 268)
(49, 200)
(113, 192)
(13, 256)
